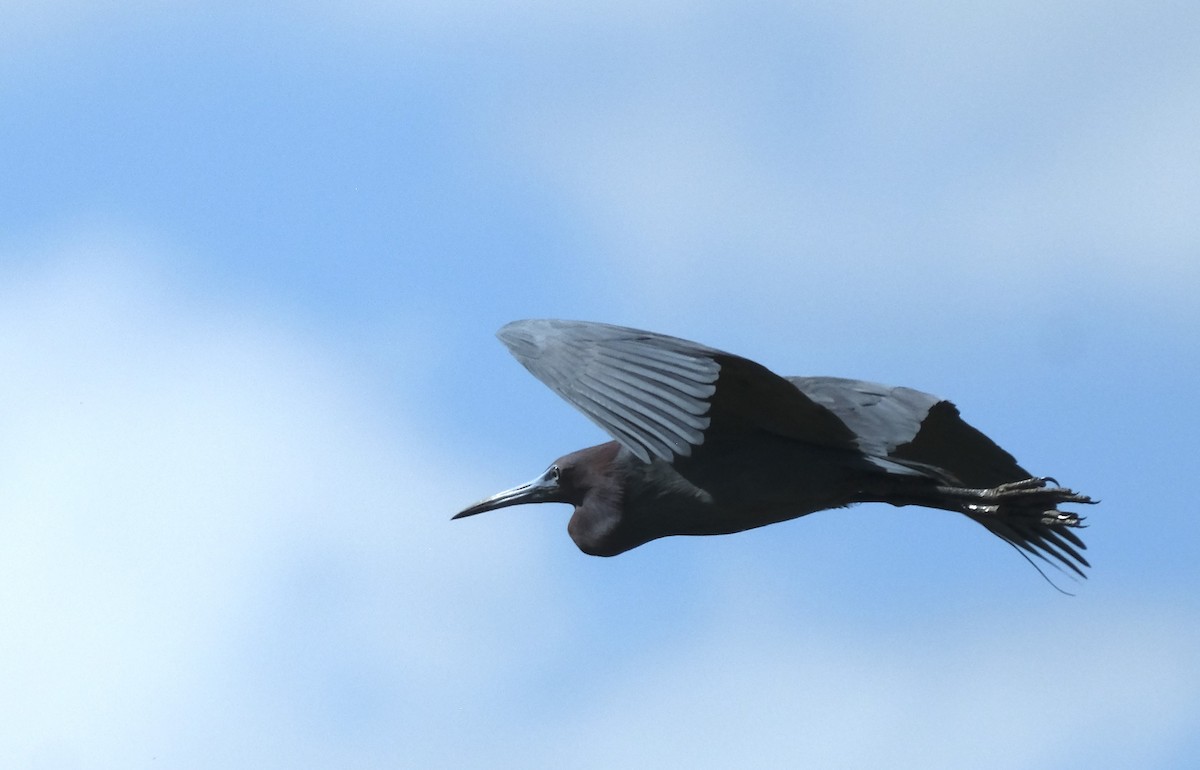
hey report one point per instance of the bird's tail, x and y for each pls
(1025, 514)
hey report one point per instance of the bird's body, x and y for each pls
(711, 443)
(723, 490)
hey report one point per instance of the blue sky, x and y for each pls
(251, 261)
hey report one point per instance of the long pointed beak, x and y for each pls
(543, 489)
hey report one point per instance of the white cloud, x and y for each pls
(995, 146)
(1097, 687)
(206, 535)
(817, 146)
(1120, 200)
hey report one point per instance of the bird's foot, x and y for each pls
(1032, 493)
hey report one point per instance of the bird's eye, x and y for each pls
(555, 473)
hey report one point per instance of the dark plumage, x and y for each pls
(708, 443)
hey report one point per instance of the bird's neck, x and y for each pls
(598, 513)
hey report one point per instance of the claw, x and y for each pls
(1065, 518)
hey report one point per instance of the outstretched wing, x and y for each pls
(914, 429)
(659, 395)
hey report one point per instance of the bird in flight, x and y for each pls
(710, 443)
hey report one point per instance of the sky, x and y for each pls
(252, 257)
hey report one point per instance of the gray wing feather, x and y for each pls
(895, 425)
(882, 417)
(648, 391)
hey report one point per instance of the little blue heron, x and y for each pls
(709, 443)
